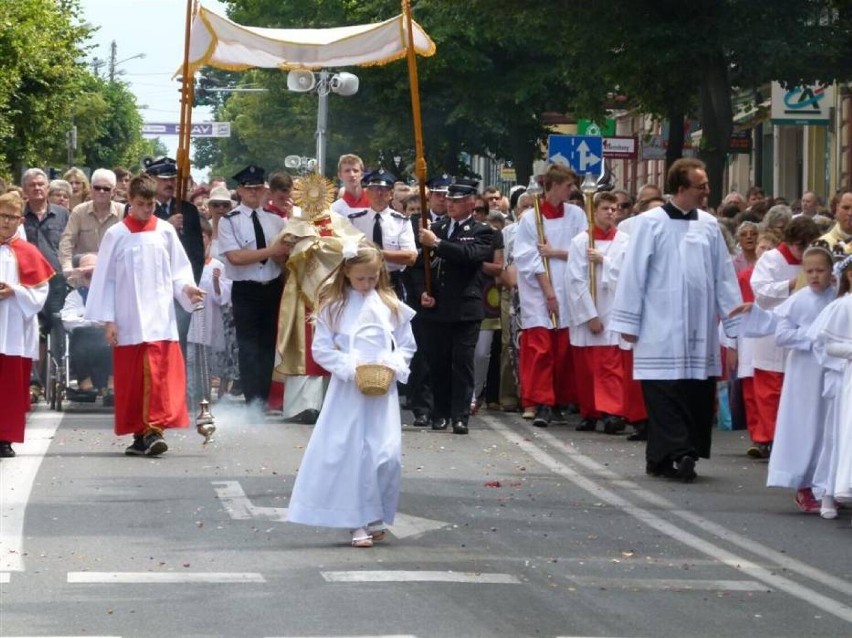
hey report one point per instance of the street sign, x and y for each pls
(740, 142)
(654, 148)
(203, 129)
(582, 153)
(805, 104)
(588, 127)
(620, 147)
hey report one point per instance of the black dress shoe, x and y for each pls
(6, 451)
(459, 427)
(543, 415)
(664, 469)
(421, 421)
(685, 469)
(640, 431)
(614, 425)
(587, 425)
(440, 423)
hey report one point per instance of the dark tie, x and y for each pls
(377, 231)
(454, 227)
(163, 210)
(259, 239)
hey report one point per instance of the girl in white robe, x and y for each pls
(802, 409)
(835, 333)
(350, 474)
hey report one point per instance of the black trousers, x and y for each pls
(680, 418)
(419, 387)
(91, 355)
(450, 347)
(256, 322)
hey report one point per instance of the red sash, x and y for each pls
(136, 226)
(549, 211)
(604, 235)
(784, 249)
(33, 268)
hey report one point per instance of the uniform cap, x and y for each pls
(164, 167)
(439, 183)
(380, 177)
(251, 175)
(462, 187)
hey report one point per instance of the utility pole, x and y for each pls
(113, 51)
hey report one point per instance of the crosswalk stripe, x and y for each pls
(384, 576)
(158, 578)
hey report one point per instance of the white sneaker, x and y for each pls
(828, 508)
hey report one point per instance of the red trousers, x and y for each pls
(767, 397)
(546, 367)
(750, 407)
(633, 400)
(14, 397)
(150, 387)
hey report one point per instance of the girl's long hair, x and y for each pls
(335, 286)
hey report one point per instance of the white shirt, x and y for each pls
(770, 282)
(207, 325)
(236, 232)
(18, 313)
(397, 232)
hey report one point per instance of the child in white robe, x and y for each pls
(802, 408)
(142, 268)
(834, 327)
(207, 326)
(350, 474)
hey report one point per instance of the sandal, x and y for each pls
(377, 530)
(361, 538)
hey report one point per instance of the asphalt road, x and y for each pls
(510, 531)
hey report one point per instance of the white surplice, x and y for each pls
(559, 233)
(825, 474)
(770, 283)
(135, 280)
(580, 304)
(210, 315)
(350, 473)
(677, 280)
(837, 335)
(19, 313)
(802, 410)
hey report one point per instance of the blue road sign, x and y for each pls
(583, 153)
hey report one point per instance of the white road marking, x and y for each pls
(4, 577)
(17, 477)
(240, 508)
(659, 502)
(388, 636)
(158, 578)
(379, 576)
(667, 584)
(739, 563)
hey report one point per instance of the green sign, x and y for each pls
(588, 127)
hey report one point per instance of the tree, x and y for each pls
(41, 45)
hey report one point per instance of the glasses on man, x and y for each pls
(701, 187)
(9, 219)
(102, 189)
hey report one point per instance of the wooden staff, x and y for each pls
(187, 95)
(420, 162)
(590, 218)
(539, 226)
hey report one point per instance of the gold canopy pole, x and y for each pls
(420, 162)
(186, 99)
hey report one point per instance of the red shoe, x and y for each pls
(806, 501)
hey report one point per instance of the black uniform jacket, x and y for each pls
(457, 277)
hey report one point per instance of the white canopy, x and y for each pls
(218, 42)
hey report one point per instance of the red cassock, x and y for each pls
(33, 270)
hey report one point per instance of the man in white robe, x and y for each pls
(676, 281)
(546, 361)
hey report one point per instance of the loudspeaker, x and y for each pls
(301, 81)
(344, 84)
(292, 161)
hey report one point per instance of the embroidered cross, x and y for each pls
(693, 340)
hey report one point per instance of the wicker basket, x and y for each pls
(373, 379)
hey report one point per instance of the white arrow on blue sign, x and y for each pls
(582, 153)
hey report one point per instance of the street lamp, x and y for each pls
(323, 83)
